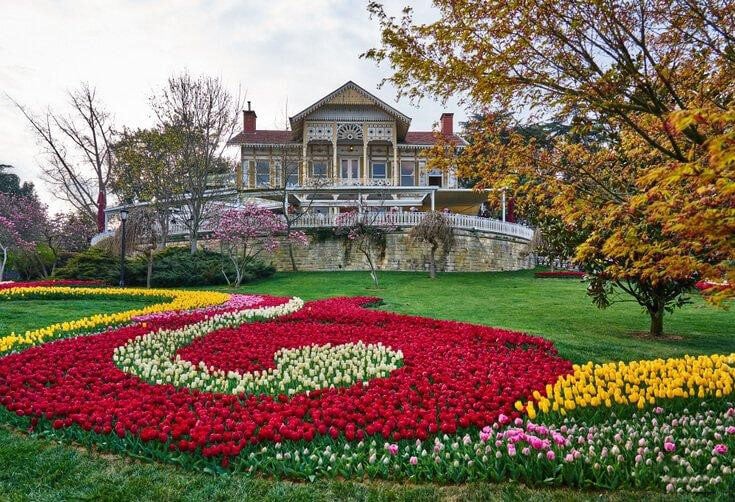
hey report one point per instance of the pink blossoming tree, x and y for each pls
(9, 237)
(248, 232)
(366, 230)
(21, 222)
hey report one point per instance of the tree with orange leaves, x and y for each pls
(648, 206)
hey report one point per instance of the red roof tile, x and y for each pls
(262, 137)
(428, 138)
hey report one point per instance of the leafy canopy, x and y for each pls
(647, 207)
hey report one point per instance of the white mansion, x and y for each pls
(352, 150)
(349, 142)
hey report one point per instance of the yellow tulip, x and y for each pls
(175, 300)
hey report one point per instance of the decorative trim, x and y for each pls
(319, 131)
(349, 131)
(268, 145)
(351, 85)
(380, 132)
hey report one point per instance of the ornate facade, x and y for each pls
(351, 150)
(347, 141)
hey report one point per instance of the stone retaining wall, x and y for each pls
(473, 252)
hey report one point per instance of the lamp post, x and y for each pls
(123, 218)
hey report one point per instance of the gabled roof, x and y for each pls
(426, 138)
(297, 120)
(262, 137)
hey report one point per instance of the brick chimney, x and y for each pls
(248, 119)
(447, 124)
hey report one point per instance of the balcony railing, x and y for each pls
(323, 181)
(401, 219)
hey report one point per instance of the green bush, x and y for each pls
(93, 264)
(172, 267)
(176, 266)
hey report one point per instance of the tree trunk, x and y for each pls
(150, 270)
(2, 264)
(193, 242)
(238, 273)
(373, 273)
(293, 259)
(432, 262)
(101, 206)
(657, 321)
(374, 277)
(44, 271)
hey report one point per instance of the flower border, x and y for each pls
(176, 300)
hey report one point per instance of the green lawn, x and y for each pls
(21, 315)
(558, 309)
(41, 469)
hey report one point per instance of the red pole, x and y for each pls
(101, 206)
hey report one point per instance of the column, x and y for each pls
(365, 163)
(335, 167)
(238, 169)
(251, 169)
(304, 163)
(396, 167)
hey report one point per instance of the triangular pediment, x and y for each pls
(346, 95)
(349, 96)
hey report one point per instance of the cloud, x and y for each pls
(278, 51)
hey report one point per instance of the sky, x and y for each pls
(282, 54)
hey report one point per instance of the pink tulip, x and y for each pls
(719, 449)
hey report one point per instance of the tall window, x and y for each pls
(350, 169)
(379, 170)
(245, 172)
(319, 169)
(262, 173)
(292, 173)
(408, 171)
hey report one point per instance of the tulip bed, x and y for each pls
(170, 300)
(277, 386)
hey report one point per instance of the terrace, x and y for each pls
(400, 220)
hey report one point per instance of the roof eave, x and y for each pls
(300, 116)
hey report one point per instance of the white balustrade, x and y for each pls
(398, 219)
(347, 182)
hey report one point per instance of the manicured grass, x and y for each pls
(40, 469)
(558, 309)
(21, 315)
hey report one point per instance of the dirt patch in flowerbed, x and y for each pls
(559, 274)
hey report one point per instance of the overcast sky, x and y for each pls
(276, 51)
